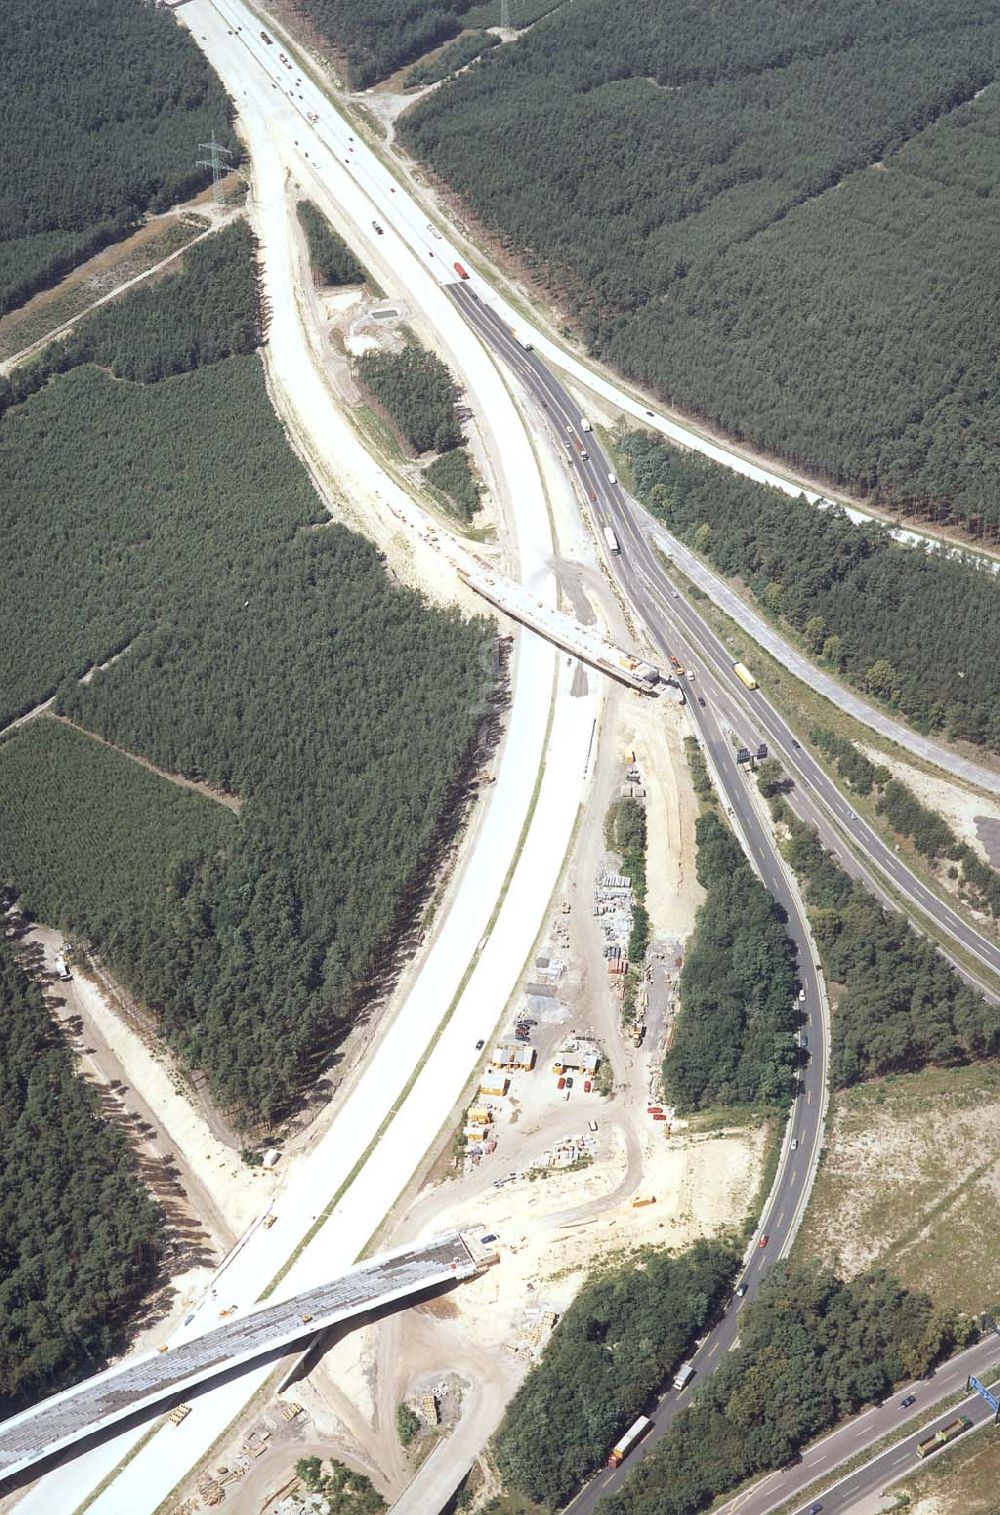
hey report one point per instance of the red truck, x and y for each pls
(462, 274)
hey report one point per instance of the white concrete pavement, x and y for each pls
(523, 834)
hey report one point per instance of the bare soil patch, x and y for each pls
(910, 1181)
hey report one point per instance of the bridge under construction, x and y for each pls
(141, 1383)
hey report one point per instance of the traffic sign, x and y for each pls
(990, 1398)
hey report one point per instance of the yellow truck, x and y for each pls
(744, 675)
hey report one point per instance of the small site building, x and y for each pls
(494, 1084)
(513, 1055)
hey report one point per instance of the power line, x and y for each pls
(214, 162)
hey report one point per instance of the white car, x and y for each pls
(795, 1144)
(612, 478)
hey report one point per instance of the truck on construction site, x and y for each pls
(611, 540)
(61, 969)
(462, 273)
(683, 1376)
(632, 1437)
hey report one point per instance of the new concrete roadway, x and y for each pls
(335, 1198)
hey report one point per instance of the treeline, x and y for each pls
(812, 1350)
(450, 59)
(929, 832)
(88, 561)
(377, 39)
(417, 393)
(81, 1238)
(733, 1042)
(677, 182)
(617, 1345)
(102, 107)
(902, 1006)
(919, 631)
(451, 473)
(267, 653)
(625, 833)
(207, 310)
(343, 1491)
(330, 258)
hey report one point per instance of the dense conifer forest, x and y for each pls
(621, 1338)
(80, 1236)
(102, 106)
(376, 37)
(330, 258)
(902, 1006)
(812, 1350)
(268, 653)
(919, 632)
(754, 208)
(417, 393)
(733, 1042)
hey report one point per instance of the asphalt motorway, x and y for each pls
(669, 617)
(822, 1459)
(675, 628)
(791, 1186)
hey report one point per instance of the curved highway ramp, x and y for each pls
(139, 1383)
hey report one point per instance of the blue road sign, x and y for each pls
(989, 1397)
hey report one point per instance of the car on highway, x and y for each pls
(803, 1039)
(764, 1240)
(612, 478)
(701, 702)
(802, 995)
(795, 1144)
(904, 1404)
(814, 1509)
(480, 1045)
(741, 1291)
(378, 228)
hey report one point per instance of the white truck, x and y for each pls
(521, 338)
(611, 540)
(683, 1376)
(585, 424)
(62, 971)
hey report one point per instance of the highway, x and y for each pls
(793, 1182)
(141, 1383)
(676, 627)
(820, 1461)
(391, 1108)
(321, 146)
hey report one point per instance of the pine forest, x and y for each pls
(776, 215)
(260, 649)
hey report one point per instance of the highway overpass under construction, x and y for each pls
(140, 1383)
(583, 642)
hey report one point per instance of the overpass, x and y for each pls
(140, 1383)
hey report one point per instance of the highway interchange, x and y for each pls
(673, 627)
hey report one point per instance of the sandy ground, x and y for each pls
(655, 734)
(975, 816)
(236, 1193)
